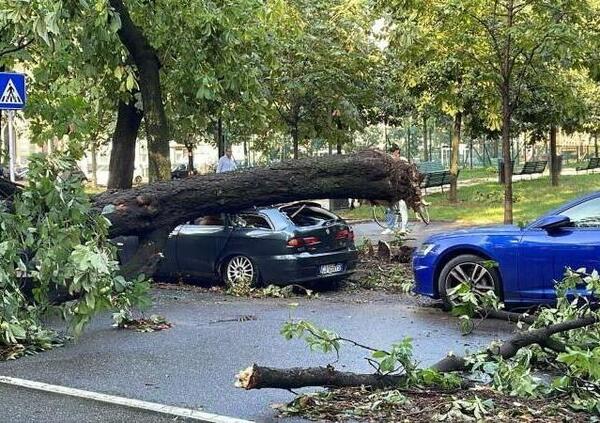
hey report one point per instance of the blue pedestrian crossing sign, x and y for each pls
(12, 91)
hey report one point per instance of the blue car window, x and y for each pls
(585, 215)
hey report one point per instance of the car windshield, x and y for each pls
(306, 215)
(585, 215)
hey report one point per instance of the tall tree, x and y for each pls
(508, 41)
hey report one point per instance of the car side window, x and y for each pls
(210, 220)
(251, 220)
(585, 215)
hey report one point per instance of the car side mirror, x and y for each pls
(551, 223)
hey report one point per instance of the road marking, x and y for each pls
(126, 402)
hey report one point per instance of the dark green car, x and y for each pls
(283, 244)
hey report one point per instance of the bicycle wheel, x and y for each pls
(379, 216)
(423, 214)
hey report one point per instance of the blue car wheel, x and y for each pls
(471, 269)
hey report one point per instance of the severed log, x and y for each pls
(368, 174)
(258, 377)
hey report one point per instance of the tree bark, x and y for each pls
(190, 152)
(7, 188)
(155, 118)
(554, 170)
(258, 377)
(122, 154)
(368, 174)
(94, 154)
(454, 147)
(425, 146)
(220, 140)
(506, 157)
(295, 135)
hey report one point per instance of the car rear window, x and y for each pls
(253, 221)
(303, 215)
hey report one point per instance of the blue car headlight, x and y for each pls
(425, 249)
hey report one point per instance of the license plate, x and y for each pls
(328, 269)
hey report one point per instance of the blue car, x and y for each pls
(529, 260)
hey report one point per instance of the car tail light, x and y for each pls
(309, 241)
(295, 242)
(345, 234)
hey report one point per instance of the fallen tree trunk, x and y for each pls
(368, 174)
(258, 377)
(7, 188)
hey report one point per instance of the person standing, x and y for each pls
(391, 214)
(227, 162)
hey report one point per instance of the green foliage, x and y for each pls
(317, 339)
(52, 245)
(398, 358)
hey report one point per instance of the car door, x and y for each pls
(253, 235)
(199, 245)
(544, 255)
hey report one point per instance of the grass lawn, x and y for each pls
(483, 203)
(478, 173)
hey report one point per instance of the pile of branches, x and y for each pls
(563, 340)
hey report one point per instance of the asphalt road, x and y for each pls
(214, 336)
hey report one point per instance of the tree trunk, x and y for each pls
(425, 146)
(596, 145)
(368, 174)
(506, 157)
(190, 151)
(155, 119)
(339, 147)
(295, 140)
(94, 154)
(152, 211)
(122, 153)
(220, 139)
(554, 170)
(408, 135)
(454, 146)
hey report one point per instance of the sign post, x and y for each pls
(12, 98)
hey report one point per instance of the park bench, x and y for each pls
(434, 175)
(530, 168)
(430, 167)
(592, 163)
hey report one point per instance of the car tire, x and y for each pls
(240, 267)
(471, 267)
(137, 180)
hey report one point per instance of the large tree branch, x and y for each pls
(257, 377)
(21, 44)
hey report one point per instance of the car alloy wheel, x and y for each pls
(239, 269)
(471, 269)
(474, 274)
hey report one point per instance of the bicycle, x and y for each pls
(379, 211)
